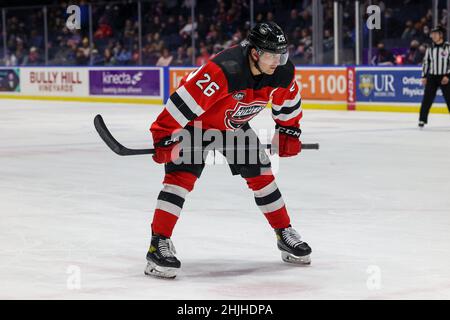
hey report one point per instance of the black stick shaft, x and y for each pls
(121, 150)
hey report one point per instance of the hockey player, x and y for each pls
(223, 95)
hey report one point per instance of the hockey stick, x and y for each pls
(121, 150)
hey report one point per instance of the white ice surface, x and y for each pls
(373, 203)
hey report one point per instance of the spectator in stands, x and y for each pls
(32, 59)
(292, 22)
(383, 56)
(306, 39)
(409, 31)
(104, 30)
(165, 59)
(202, 26)
(328, 40)
(414, 56)
(122, 55)
(84, 52)
(36, 39)
(149, 56)
(19, 54)
(190, 55)
(422, 50)
(167, 24)
(108, 58)
(425, 35)
(213, 34)
(157, 44)
(203, 58)
(180, 59)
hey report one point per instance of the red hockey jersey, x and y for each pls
(223, 94)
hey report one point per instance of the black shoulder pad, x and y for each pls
(284, 74)
(231, 61)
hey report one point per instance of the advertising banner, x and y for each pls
(327, 83)
(398, 85)
(54, 81)
(9, 80)
(125, 82)
(175, 76)
(316, 83)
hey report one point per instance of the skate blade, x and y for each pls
(154, 270)
(290, 258)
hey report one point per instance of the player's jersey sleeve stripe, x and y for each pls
(286, 110)
(189, 100)
(175, 112)
(182, 107)
(286, 117)
(287, 103)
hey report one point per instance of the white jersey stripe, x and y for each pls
(190, 102)
(286, 117)
(176, 114)
(287, 103)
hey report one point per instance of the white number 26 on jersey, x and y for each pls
(210, 88)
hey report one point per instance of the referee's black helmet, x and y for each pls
(438, 29)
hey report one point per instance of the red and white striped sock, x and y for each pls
(170, 201)
(269, 200)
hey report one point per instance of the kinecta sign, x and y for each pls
(121, 78)
(125, 82)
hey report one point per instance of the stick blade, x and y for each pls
(106, 136)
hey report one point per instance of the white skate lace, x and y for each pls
(166, 248)
(291, 237)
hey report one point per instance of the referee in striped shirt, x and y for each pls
(435, 73)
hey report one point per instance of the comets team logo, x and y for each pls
(242, 113)
(366, 84)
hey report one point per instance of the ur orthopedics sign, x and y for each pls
(391, 84)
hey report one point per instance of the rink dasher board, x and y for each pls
(360, 88)
(85, 84)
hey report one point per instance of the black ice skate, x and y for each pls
(161, 260)
(421, 124)
(293, 250)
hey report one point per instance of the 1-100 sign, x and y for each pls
(320, 84)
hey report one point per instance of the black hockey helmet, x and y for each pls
(269, 37)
